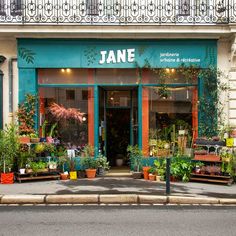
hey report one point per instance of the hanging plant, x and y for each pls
(163, 92)
(62, 113)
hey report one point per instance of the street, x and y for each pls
(118, 220)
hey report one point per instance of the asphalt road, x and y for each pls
(121, 220)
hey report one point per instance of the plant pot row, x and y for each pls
(73, 175)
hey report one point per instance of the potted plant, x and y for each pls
(90, 165)
(9, 150)
(63, 160)
(136, 157)
(34, 138)
(49, 149)
(23, 159)
(103, 165)
(38, 167)
(73, 173)
(152, 174)
(50, 135)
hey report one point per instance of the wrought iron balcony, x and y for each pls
(123, 12)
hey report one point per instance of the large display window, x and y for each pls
(71, 110)
(169, 119)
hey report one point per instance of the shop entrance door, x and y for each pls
(118, 122)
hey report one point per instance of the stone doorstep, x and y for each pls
(118, 198)
(192, 200)
(72, 198)
(22, 199)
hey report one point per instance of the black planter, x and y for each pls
(81, 174)
(101, 171)
(137, 175)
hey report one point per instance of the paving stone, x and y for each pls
(22, 199)
(119, 198)
(72, 198)
(151, 199)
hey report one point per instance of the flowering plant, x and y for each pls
(62, 113)
(26, 114)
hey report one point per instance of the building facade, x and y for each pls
(121, 63)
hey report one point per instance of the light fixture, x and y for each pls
(84, 118)
(172, 70)
(112, 98)
(68, 70)
(62, 70)
(167, 70)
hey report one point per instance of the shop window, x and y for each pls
(92, 7)
(117, 76)
(118, 98)
(64, 76)
(171, 76)
(169, 119)
(72, 131)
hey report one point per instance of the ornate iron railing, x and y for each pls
(117, 11)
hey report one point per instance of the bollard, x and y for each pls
(168, 161)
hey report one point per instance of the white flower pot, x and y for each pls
(22, 171)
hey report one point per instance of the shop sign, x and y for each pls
(117, 56)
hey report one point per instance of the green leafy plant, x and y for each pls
(38, 166)
(48, 147)
(88, 151)
(136, 156)
(102, 162)
(51, 132)
(89, 163)
(181, 167)
(160, 167)
(9, 147)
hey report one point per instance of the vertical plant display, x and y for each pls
(26, 114)
(211, 104)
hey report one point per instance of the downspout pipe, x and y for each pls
(10, 71)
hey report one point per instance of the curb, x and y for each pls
(110, 199)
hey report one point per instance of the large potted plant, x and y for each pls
(9, 149)
(90, 164)
(136, 157)
(103, 165)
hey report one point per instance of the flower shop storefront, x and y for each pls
(127, 91)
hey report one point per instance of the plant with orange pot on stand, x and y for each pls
(9, 150)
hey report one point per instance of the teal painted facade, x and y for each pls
(88, 53)
(61, 53)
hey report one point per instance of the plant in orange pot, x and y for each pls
(9, 150)
(90, 165)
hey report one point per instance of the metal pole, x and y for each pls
(168, 161)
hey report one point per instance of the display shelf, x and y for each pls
(37, 176)
(212, 179)
(207, 158)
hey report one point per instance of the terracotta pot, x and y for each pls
(145, 172)
(91, 173)
(64, 176)
(7, 178)
(24, 139)
(152, 177)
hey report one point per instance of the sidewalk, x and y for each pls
(118, 186)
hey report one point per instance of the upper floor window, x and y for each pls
(184, 7)
(12, 6)
(92, 7)
(2, 7)
(16, 7)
